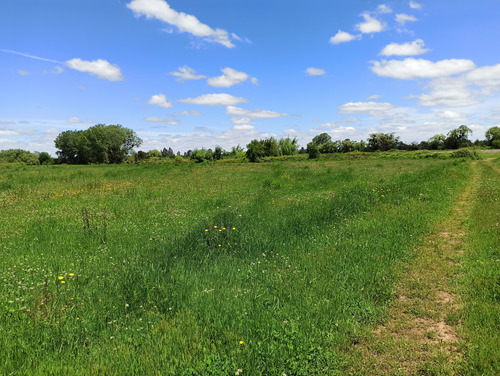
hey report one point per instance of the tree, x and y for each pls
(382, 141)
(218, 152)
(312, 150)
(436, 142)
(493, 137)
(98, 144)
(18, 156)
(255, 150)
(320, 139)
(329, 147)
(458, 138)
(45, 159)
(288, 146)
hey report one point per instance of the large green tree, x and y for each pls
(98, 144)
(321, 138)
(493, 137)
(458, 138)
(382, 141)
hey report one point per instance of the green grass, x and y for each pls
(304, 258)
(481, 280)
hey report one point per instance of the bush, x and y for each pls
(312, 150)
(465, 153)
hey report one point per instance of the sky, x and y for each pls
(189, 74)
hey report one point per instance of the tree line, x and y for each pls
(115, 144)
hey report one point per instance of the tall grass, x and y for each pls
(481, 280)
(206, 269)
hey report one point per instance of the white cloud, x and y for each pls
(365, 107)
(74, 120)
(488, 76)
(254, 81)
(241, 120)
(402, 19)
(222, 99)
(452, 116)
(343, 37)
(186, 73)
(415, 5)
(229, 78)
(22, 72)
(371, 25)
(154, 119)
(184, 22)
(406, 49)
(448, 92)
(260, 114)
(375, 96)
(188, 113)
(57, 70)
(160, 100)
(411, 68)
(315, 71)
(243, 127)
(384, 8)
(100, 68)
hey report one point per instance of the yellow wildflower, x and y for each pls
(60, 277)
(71, 274)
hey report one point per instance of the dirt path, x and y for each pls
(419, 338)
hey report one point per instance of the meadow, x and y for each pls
(275, 268)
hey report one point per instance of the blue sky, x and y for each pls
(196, 73)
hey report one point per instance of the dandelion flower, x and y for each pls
(63, 281)
(234, 228)
(215, 226)
(60, 277)
(242, 343)
(71, 274)
(206, 229)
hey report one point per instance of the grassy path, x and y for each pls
(420, 335)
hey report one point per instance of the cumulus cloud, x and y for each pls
(488, 76)
(415, 5)
(343, 37)
(254, 81)
(417, 47)
(188, 113)
(315, 71)
(260, 114)
(402, 19)
(411, 68)
(222, 99)
(372, 108)
(243, 127)
(184, 22)
(448, 92)
(169, 121)
(100, 68)
(186, 73)
(241, 120)
(371, 25)
(160, 100)
(230, 77)
(384, 8)
(452, 116)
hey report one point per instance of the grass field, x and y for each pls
(222, 269)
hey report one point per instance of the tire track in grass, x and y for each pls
(419, 337)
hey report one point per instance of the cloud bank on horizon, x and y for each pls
(151, 65)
